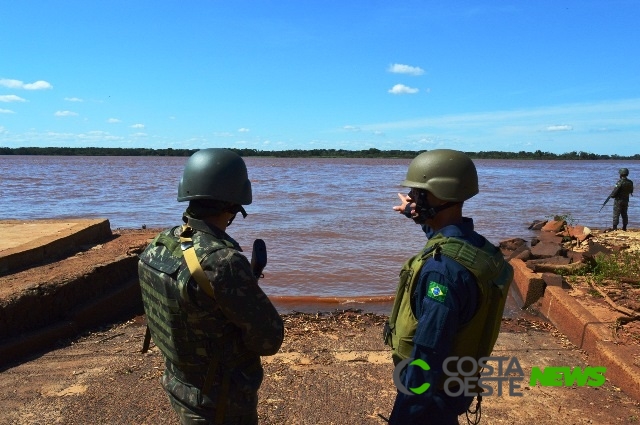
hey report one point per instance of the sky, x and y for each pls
(551, 75)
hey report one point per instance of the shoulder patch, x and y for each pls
(437, 292)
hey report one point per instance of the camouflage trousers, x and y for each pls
(620, 208)
(189, 416)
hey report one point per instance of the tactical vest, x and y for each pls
(184, 333)
(493, 275)
(624, 187)
(191, 339)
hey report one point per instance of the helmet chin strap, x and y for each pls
(424, 210)
(235, 210)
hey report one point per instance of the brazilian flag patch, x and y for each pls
(437, 292)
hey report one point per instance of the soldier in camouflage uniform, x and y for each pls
(620, 194)
(205, 310)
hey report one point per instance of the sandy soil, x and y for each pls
(332, 369)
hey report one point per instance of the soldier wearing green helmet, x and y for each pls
(451, 295)
(205, 311)
(620, 195)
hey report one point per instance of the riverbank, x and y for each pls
(95, 372)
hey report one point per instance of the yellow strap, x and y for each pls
(195, 268)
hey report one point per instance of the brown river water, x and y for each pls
(332, 236)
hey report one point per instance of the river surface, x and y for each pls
(328, 223)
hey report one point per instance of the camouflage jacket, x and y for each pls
(236, 326)
(622, 190)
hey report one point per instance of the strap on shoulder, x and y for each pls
(195, 268)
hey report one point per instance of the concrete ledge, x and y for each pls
(587, 332)
(530, 285)
(118, 303)
(24, 244)
(45, 304)
(620, 372)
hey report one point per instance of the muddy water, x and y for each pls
(332, 236)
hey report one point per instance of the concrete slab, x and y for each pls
(24, 243)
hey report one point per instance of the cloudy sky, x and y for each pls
(558, 76)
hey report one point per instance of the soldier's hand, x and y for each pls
(405, 200)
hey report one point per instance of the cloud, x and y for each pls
(351, 128)
(65, 114)
(137, 126)
(398, 68)
(113, 120)
(402, 89)
(243, 130)
(6, 111)
(17, 84)
(11, 98)
(559, 128)
(222, 134)
(73, 99)
(38, 85)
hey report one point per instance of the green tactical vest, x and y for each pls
(188, 337)
(493, 275)
(624, 187)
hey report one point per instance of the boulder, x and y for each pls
(550, 237)
(552, 279)
(513, 247)
(595, 248)
(524, 255)
(575, 256)
(554, 226)
(537, 224)
(546, 250)
(580, 233)
(512, 244)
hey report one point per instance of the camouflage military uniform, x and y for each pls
(620, 194)
(221, 339)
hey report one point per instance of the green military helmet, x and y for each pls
(448, 174)
(218, 174)
(624, 171)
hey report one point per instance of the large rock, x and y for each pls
(549, 237)
(580, 233)
(537, 224)
(512, 248)
(552, 279)
(546, 250)
(554, 226)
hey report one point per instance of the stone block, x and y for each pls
(552, 279)
(546, 250)
(579, 233)
(575, 256)
(524, 255)
(537, 225)
(549, 237)
(554, 226)
(596, 248)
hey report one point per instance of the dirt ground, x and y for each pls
(332, 369)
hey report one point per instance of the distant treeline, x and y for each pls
(300, 153)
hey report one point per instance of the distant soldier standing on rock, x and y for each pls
(205, 310)
(620, 195)
(451, 296)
